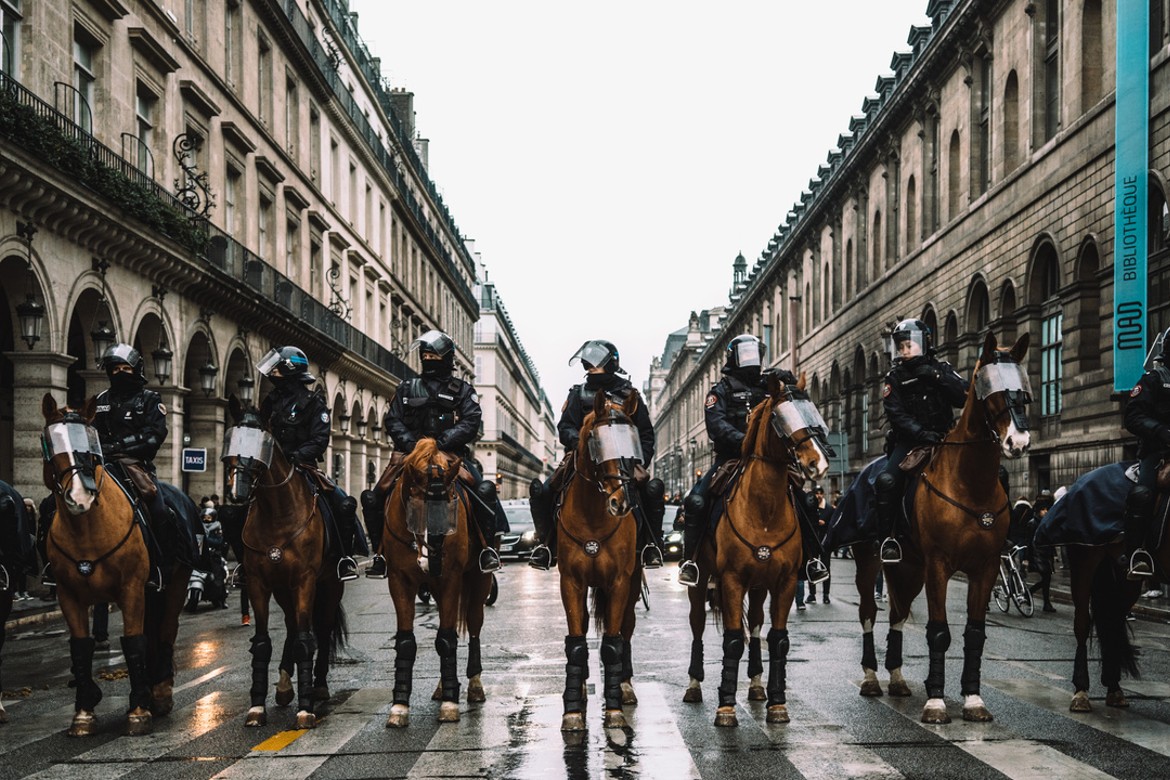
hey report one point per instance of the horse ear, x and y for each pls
(234, 406)
(48, 406)
(89, 411)
(773, 383)
(989, 346)
(1020, 348)
(598, 403)
(802, 382)
(630, 406)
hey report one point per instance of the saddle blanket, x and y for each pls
(1092, 512)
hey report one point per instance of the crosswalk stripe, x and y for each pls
(479, 740)
(1130, 726)
(656, 732)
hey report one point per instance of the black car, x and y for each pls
(518, 542)
(672, 535)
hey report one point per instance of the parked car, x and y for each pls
(672, 535)
(517, 544)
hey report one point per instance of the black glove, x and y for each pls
(929, 437)
(443, 441)
(1164, 436)
(929, 372)
(572, 445)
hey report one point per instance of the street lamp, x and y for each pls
(103, 338)
(32, 317)
(377, 429)
(361, 427)
(162, 364)
(207, 374)
(343, 422)
(247, 388)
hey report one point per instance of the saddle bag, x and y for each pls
(1163, 478)
(390, 473)
(721, 479)
(317, 477)
(138, 475)
(916, 459)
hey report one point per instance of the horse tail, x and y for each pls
(599, 606)
(1108, 606)
(339, 635)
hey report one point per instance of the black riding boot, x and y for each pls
(485, 516)
(885, 505)
(373, 506)
(540, 500)
(344, 509)
(694, 527)
(1139, 508)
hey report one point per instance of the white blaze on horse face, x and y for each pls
(78, 500)
(1015, 442)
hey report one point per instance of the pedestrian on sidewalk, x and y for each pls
(1041, 557)
(824, 512)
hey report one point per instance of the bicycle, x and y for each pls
(1010, 587)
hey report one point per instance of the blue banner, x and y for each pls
(1131, 183)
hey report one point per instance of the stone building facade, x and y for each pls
(120, 121)
(975, 192)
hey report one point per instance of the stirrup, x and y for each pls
(155, 580)
(347, 569)
(688, 574)
(489, 560)
(651, 557)
(4, 581)
(541, 558)
(1141, 564)
(377, 568)
(815, 571)
(47, 578)
(891, 551)
(235, 579)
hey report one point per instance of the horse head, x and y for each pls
(248, 450)
(799, 429)
(429, 472)
(609, 447)
(72, 453)
(1001, 386)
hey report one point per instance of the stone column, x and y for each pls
(168, 461)
(357, 467)
(34, 374)
(205, 424)
(341, 447)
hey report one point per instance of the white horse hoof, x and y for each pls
(935, 711)
(256, 717)
(449, 712)
(628, 695)
(975, 710)
(1080, 702)
(399, 716)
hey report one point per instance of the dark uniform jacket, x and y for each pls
(131, 425)
(445, 409)
(727, 406)
(580, 403)
(919, 395)
(299, 421)
(1147, 415)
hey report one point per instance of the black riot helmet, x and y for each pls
(597, 353)
(917, 333)
(292, 362)
(745, 351)
(123, 354)
(439, 343)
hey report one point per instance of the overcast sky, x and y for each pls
(611, 158)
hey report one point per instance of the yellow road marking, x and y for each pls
(281, 741)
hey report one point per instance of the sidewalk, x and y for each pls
(1157, 609)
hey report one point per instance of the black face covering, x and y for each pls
(601, 381)
(436, 369)
(124, 384)
(749, 375)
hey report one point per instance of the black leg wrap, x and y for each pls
(732, 653)
(611, 658)
(261, 657)
(777, 665)
(696, 668)
(868, 653)
(474, 663)
(576, 664)
(304, 647)
(446, 645)
(405, 650)
(938, 639)
(893, 650)
(627, 661)
(81, 664)
(134, 649)
(160, 664)
(1080, 678)
(755, 656)
(974, 635)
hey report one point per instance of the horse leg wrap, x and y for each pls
(938, 639)
(161, 664)
(576, 664)
(405, 649)
(627, 661)
(755, 656)
(446, 645)
(974, 635)
(732, 653)
(777, 665)
(134, 649)
(81, 664)
(611, 658)
(893, 650)
(261, 657)
(304, 646)
(696, 668)
(1080, 678)
(868, 653)
(474, 664)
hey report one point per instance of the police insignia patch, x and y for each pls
(712, 399)
(324, 417)
(163, 409)
(1137, 390)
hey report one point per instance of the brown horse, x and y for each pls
(98, 555)
(429, 540)
(597, 549)
(284, 540)
(755, 550)
(959, 522)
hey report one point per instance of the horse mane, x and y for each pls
(422, 454)
(756, 436)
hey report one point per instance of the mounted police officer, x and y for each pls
(1147, 416)
(919, 396)
(443, 407)
(728, 404)
(299, 421)
(602, 366)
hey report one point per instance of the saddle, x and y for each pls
(317, 477)
(917, 459)
(725, 476)
(137, 474)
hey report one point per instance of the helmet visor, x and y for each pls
(1001, 377)
(594, 353)
(121, 353)
(611, 442)
(247, 443)
(268, 362)
(748, 352)
(905, 344)
(434, 341)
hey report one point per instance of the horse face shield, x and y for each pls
(1007, 380)
(246, 452)
(795, 415)
(77, 441)
(616, 441)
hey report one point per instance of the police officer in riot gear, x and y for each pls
(440, 406)
(602, 364)
(1147, 416)
(299, 421)
(728, 404)
(919, 396)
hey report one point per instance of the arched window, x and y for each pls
(1007, 312)
(850, 280)
(1088, 306)
(911, 215)
(950, 341)
(1044, 291)
(954, 179)
(931, 320)
(1092, 44)
(1011, 123)
(876, 245)
(978, 308)
(1046, 105)
(826, 291)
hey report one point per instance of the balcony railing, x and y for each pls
(135, 149)
(41, 130)
(72, 103)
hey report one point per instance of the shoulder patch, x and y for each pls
(163, 409)
(474, 397)
(1137, 390)
(324, 417)
(712, 399)
(886, 390)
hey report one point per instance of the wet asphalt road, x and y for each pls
(516, 734)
